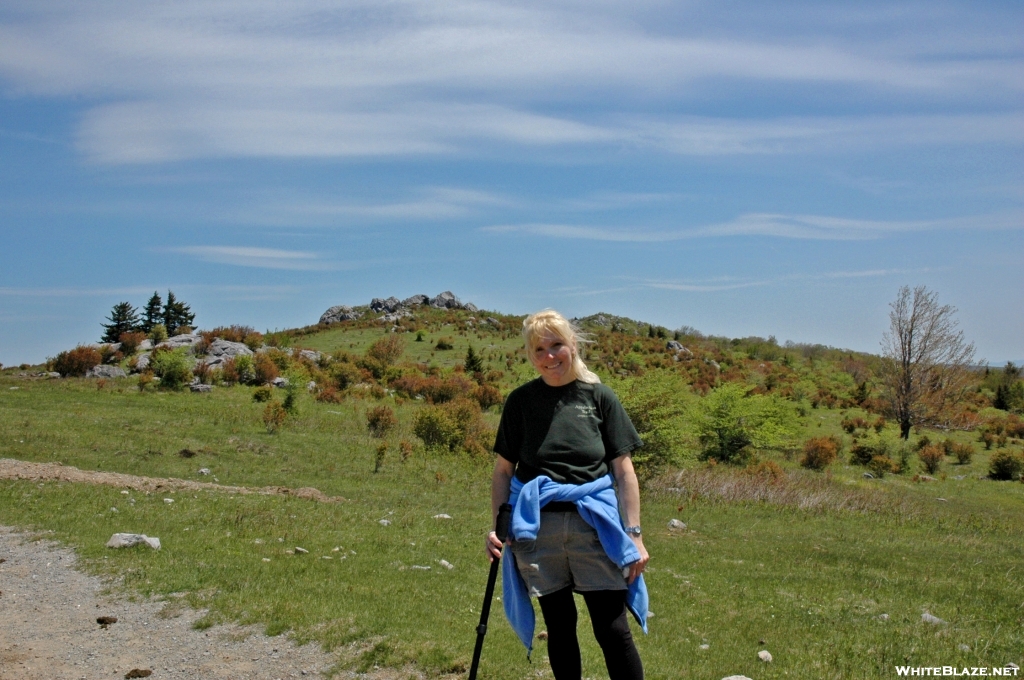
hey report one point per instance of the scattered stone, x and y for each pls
(942, 500)
(201, 388)
(390, 305)
(416, 300)
(442, 516)
(311, 386)
(138, 673)
(959, 477)
(868, 475)
(713, 364)
(49, 374)
(384, 522)
(301, 551)
(339, 313)
(106, 371)
(934, 620)
(279, 382)
(129, 540)
(765, 655)
(184, 340)
(106, 620)
(882, 617)
(704, 646)
(204, 471)
(1014, 666)
(168, 500)
(446, 564)
(141, 363)
(963, 648)
(145, 345)
(736, 677)
(676, 524)
(420, 567)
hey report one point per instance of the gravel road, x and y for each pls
(48, 629)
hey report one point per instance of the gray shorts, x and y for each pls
(567, 552)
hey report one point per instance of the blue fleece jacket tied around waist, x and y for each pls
(599, 507)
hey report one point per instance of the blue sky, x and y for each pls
(742, 168)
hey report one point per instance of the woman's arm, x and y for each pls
(501, 483)
(629, 499)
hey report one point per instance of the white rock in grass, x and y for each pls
(868, 475)
(1014, 666)
(446, 564)
(736, 677)
(963, 648)
(765, 655)
(384, 522)
(420, 567)
(301, 551)
(168, 500)
(443, 516)
(882, 617)
(705, 646)
(204, 471)
(934, 620)
(676, 524)
(129, 540)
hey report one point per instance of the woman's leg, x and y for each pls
(611, 628)
(559, 611)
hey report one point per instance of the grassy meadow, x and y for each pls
(758, 566)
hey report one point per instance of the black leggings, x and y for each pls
(611, 628)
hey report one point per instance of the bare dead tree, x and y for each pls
(926, 366)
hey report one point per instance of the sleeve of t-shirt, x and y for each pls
(509, 439)
(620, 437)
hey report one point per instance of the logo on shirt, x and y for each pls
(586, 411)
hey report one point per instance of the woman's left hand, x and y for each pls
(637, 568)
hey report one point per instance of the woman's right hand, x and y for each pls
(493, 547)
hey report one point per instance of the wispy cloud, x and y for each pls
(764, 224)
(264, 258)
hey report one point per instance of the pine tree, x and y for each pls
(123, 319)
(176, 314)
(473, 363)
(153, 314)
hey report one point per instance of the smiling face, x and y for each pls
(552, 357)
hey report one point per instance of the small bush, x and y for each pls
(173, 367)
(923, 442)
(405, 449)
(879, 424)
(329, 395)
(819, 452)
(145, 380)
(1005, 465)
(454, 425)
(262, 394)
(130, 341)
(931, 457)
(880, 465)
(378, 459)
(768, 470)
(264, 369)
(77, 362)
(963, 453)
(158, 333)
(488, 396)
(274, 416)
(445, 343)
(380, 420)
(852, 424)
(203, 372)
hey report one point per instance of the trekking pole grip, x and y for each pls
(501, 524)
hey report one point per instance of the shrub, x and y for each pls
(77, 362)
(378, 459)
(488, 396)
(768, 470)
(454, 425)
(656, 404)
(145, 380)
(130, 341)
(819, 452)
(203, 372)
(436, 428)
(244, 368)
(444, 344)
(158, 333)
(963, 453)
(274, 416)
(383, 353)
(931, 457)
(1005, 465)
(262, 394)
(728, 423)
(264, 369)
(473, 362)
(328, 394)
(405, 449)
(881, 465)
(253, 340)
(434, 389)
(879, 424)
(923, 442)
(173, 367)
(380, 420)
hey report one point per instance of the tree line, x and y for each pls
(174, 315)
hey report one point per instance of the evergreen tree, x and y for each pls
(123, 319)
(176, 314)
(473, 363)
(153, 314)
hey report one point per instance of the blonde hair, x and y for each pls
(550, 321)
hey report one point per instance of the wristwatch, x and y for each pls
(633, 531)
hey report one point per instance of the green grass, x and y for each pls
(810, 584)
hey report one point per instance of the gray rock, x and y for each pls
(470, 307)
(416, 300)
(225, 348)
(204, 471)
(713, 364)
(279, 382)
(736, 677)
(934, 620)
(311, 386)
(674, 345)
(184, 340)
(141, 362)
(443, 515)
(491, 320)
(129, 540)
(199, 387)
(384, 522)
(446, 564)
(395, 316)
(1013, 666)
(882, 617)
(963, 648)
(765, 655)
(310, 354)
(49, 374)
(705, 646)
(301, 551)
(339, 313)
(676, 524)
(145, 346)
(106, 371)
(390, 305)
(445, 300)
(868, 475)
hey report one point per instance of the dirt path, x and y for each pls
(44, 472)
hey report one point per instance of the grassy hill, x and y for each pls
(829, 570)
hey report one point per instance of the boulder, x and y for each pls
(390, 305)
(129, 540)
(395, 316)
(310, 354)
(339, 313)
(470, 307)
(184, 340)
(226, 349)
(200, 387)
(765, 655)
(676, 524)
(446, 300)
(416, 300)
(106, 371)
(674, 345)
(142, 362)
(145, 346)
(279, 382)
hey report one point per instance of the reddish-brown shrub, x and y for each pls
(851, 424)
(963, 453)
(879, 424)
(253, 340)
(77, 362)
(230, 333)
(434, 389)
(405, 449)
(380, 420)
(130, 341)
(819, 452)
(266, 369)
(931, 457)
(488, 396)
(387, 350)
(328, 394)
(768, 470)
(229, 371)
(202, 371)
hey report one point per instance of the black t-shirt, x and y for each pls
(569, 433)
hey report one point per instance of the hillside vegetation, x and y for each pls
(811, 529)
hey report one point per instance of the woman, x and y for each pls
(563, 439)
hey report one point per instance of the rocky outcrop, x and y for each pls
(339, 313)
(446, 300)
(222, 350)
(392, 304)
(416, 300)
(106, 371)
(185, 340)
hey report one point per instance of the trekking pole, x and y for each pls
(501, 530)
